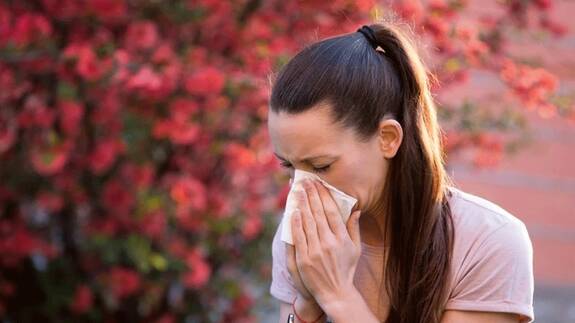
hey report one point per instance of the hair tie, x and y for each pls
(369, 35)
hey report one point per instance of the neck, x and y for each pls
(370, 231)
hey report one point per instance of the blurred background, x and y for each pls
(137, 181)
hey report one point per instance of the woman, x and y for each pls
(356, 109)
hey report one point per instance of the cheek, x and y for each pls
(366, 181)
(353, 179)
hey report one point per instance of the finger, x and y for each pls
(353, 228)
(331, 210)
(299, 237)
(307, 220)
(320, 205)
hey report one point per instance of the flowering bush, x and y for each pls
(136, 179)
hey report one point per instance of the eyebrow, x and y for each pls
(307, 159)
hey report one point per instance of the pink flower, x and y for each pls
(144, 80)
(206, 81)
(163, 54)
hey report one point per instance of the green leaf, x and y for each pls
(158, 262)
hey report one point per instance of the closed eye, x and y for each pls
(316, 170)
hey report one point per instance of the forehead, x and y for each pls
(309, 132)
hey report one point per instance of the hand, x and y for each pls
(327, 250)
(306, 305)
(303, 292)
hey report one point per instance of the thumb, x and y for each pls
(353, 227)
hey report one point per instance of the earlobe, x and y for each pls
(391, 136)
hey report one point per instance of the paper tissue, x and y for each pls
(344, 202)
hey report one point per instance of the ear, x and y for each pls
(390, 137)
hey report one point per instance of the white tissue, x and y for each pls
(344, 202)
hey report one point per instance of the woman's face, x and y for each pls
(332, 152)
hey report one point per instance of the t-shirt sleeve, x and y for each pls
(282, 286)
(498, 275)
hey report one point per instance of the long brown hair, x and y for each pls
(363, 84)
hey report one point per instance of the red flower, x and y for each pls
(141, 35)
(206, 81)
(409, 9)
(5, 24)
(251, 227)
(29, 28)
(88, 65)
(117, 198)
(62, 9)
(183, 108)
(239, 156)
(141, 175)
(107, 10)
(16, 243)
(490, 150)
(184, 133)
(153, 224)
(82, 300)
(189, 219)
(166, 318)
(51, 201)
(71, 113)
(50, 160)
(199, 270)
(104, 155)
(188, 191)
(7, 135)
(123, 282)
(36, 113)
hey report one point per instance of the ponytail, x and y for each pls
(420, 225)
